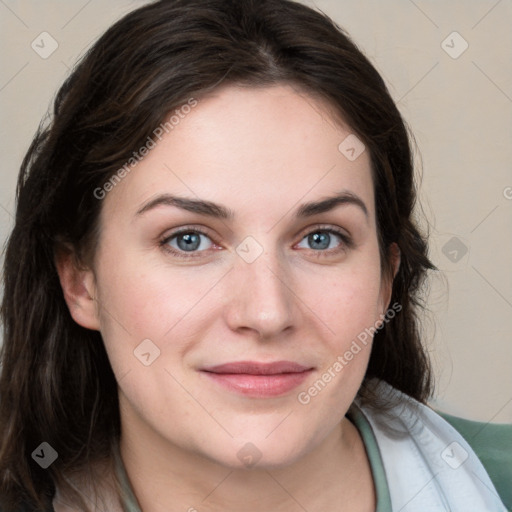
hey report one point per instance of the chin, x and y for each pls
(262, 454)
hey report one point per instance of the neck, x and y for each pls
(164, 475)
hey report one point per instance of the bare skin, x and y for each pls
(261, 153)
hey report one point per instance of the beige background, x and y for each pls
(460, 110)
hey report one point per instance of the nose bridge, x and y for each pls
(262, 300)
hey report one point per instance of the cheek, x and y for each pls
(138, 300)
(131, 293)
(348, 302)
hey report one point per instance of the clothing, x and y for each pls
(419, 462)
(492, 442)
(380, 481)
(429, 465)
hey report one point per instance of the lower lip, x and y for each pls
(259, 385)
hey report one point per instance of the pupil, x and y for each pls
(319, 240)
(189, 241)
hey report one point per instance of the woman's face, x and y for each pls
(212, 253)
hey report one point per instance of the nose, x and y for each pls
(262, 299)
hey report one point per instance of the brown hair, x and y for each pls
(57, 384)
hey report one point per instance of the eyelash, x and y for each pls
(346, 242)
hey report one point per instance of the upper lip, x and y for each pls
(257, 368)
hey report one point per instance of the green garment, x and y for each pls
(373, 452)
(492, 443)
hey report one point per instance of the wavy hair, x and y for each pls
(56, 383)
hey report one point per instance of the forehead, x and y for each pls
(264, 149)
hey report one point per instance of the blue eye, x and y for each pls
(190, 241)
(325, 239)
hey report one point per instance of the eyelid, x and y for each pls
(323, 227)
(185, 229)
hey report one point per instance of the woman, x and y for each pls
(212, 284)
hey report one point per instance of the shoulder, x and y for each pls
(492, 443)
(418, 445)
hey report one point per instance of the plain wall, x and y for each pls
(459, 107)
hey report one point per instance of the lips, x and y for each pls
(257, 379)
(255, 368)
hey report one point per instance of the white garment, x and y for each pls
(429, 465)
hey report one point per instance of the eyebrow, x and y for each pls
(218, 211)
